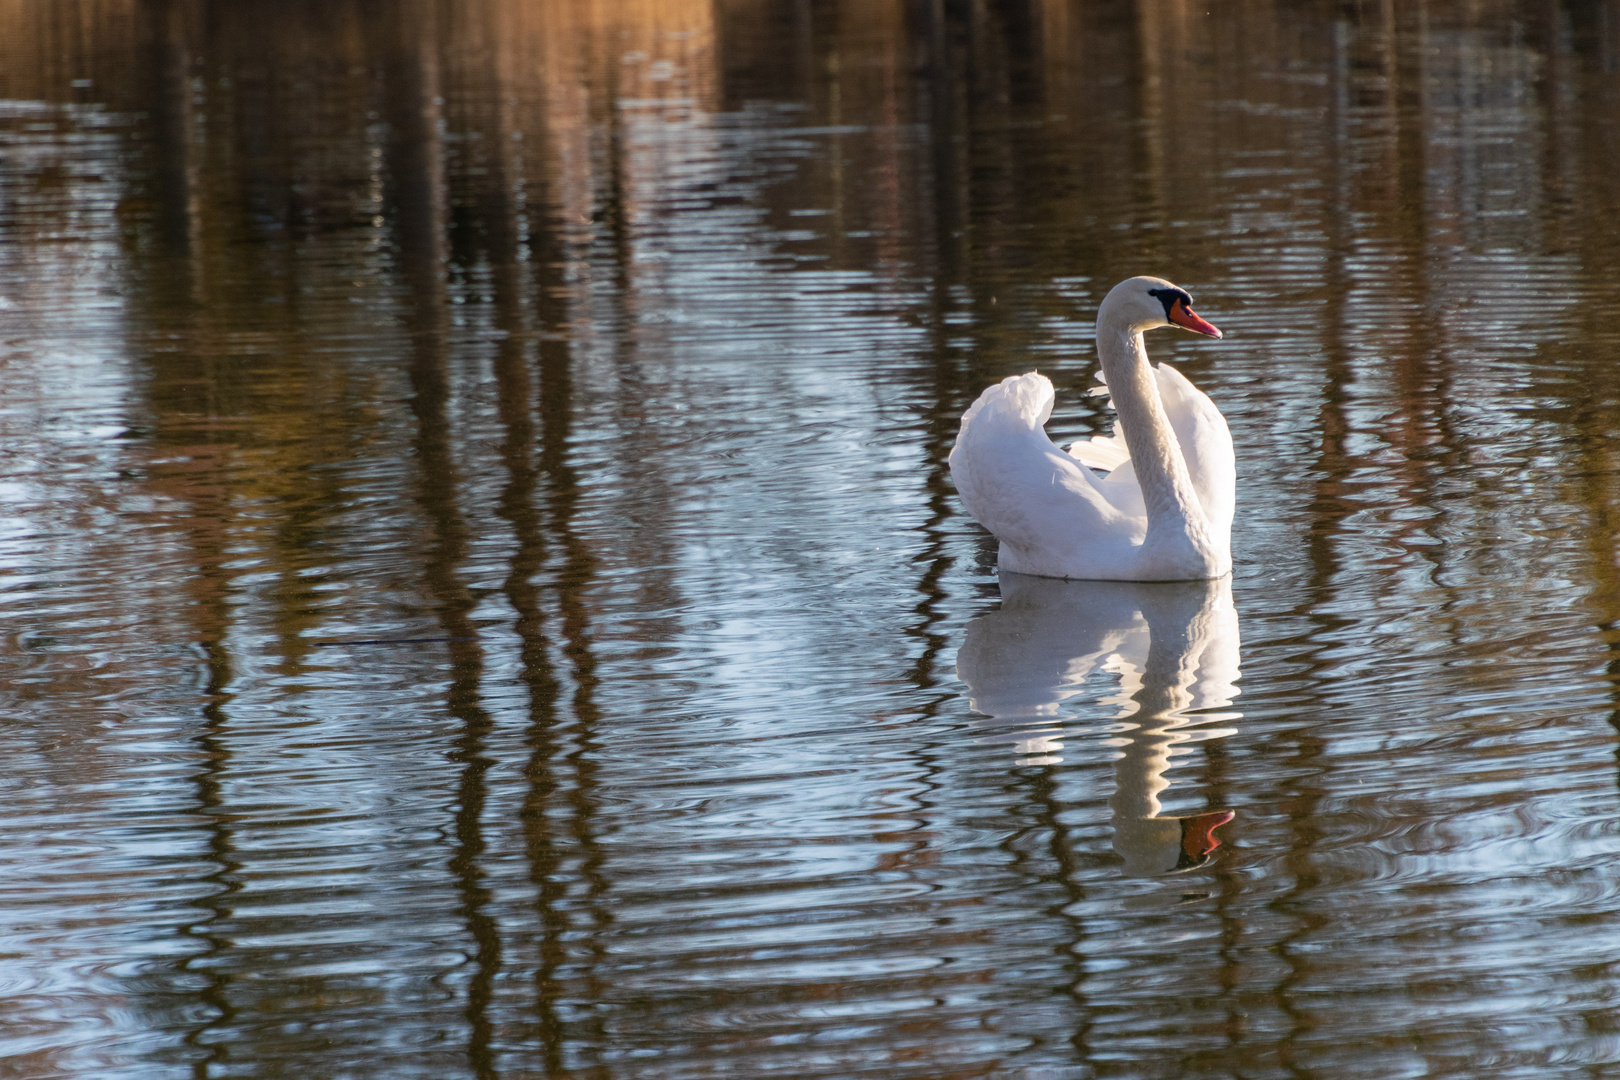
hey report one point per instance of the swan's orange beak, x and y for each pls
(1183, 316)
(1198, 839)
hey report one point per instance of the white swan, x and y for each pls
(1163, 512)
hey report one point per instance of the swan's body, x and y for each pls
(1163, 512)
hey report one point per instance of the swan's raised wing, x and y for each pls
(1043, 505)
(1202, 435)
(1109, 455)
(1206, 445)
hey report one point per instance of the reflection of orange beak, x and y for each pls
(1198, 839)
(1182, 315)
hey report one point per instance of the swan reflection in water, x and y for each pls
(1173, 646)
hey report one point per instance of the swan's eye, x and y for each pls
(1170, 298)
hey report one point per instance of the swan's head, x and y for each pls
(1144, 303)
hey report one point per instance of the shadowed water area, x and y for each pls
(482, 595)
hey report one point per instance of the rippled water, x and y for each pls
(481, 593)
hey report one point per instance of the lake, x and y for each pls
(482, 593)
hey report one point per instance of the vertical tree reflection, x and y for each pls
(214, 760)
(528, 300)
(1594, 231)
(411, 95)
(170, 174)
(580, 762)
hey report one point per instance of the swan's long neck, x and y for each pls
(1173, 509)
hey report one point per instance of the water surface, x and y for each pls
(481, 594)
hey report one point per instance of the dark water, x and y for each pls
(481, 594)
